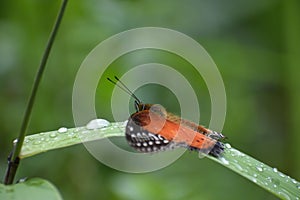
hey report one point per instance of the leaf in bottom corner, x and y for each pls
(31, 189)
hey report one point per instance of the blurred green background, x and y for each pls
(255, 45)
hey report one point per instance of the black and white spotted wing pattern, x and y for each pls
(143, 140)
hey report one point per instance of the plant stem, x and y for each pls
(13, 160)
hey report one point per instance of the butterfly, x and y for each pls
(152, 129)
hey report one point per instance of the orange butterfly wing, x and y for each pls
(171, 130)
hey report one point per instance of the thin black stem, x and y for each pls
(13, 159)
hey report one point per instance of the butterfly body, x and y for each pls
(153, 129)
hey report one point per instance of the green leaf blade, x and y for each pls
(32, 189)
(63, 137)
(259, 173)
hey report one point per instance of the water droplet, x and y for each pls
(269, 179)
(226, 162)
(72, 135)
(37, 142)
(237, 166)
(22, 180)
(266, 183)
(53, 135)
(294, 181)
(254, 180)
(62, 130)
(260, 169)
(298, 187)
(235, 152)
(281, 174)
(275, 170)
(286, 196)
(76, 130)
(227, 145)
(97, 123)
(255, 175)
(42, 139)
(15, 141)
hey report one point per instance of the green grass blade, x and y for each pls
(63, 137)
(259, 173)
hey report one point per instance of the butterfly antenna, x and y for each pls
(131, 93)
(123, 87)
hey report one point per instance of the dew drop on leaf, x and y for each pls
(53, 135)
(62, 130)
(260, 169)
(97, 123)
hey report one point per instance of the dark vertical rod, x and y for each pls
(13, 159)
